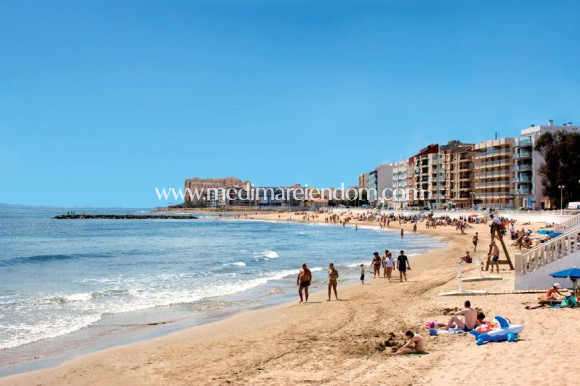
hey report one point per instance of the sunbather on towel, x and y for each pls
(469, 316)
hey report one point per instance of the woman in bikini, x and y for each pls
(332, 280)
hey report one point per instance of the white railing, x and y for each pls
(570, 223)
(546, 253)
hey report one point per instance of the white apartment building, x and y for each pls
(527, 181)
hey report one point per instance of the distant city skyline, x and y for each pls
(104, 101)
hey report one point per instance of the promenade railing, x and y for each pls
(546, 253)
(570, 223)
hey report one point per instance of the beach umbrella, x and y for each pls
(571, 273)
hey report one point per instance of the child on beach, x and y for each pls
(362, 273)
(415, 345)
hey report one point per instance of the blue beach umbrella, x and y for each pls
(571, 273)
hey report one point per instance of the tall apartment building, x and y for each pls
(363, 180)
(400, 185)
(380, 179)
(528, 188)
(457, 174)
(424, 177)
(493, 173)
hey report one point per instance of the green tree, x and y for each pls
(561, 152)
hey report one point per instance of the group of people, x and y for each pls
(388, 263)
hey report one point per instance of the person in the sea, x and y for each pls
(402, 232)
(332, 280)
(469, 321)
(403, 265)
(494, 256)
(303, 282)
(376, 265)
(554, 292)
(362, 273)
(415, 345)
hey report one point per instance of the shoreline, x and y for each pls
(114, 339)
(320, 340)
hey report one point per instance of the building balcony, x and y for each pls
(525, 142)
(522, 168)
(522, 180)
(491, 185)
(494, 174)
(523, 154)
(493, 153)
(493, 164)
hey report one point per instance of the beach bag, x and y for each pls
(569, 301)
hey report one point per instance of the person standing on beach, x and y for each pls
(475, 241)
(403, 265)
(332, 280)
(388, 264)
(494, 254)
(376, 265)
(362, 273)
(303, 281)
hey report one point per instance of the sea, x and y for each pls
(72, 287)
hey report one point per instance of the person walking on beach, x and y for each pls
(403, 265)
(376, 264)
(332, 280)
(388, 264)
(494, 254)
(303, 281)
(475, 241)
(362, 273)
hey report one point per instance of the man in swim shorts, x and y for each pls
(469, 316)
(494, 256)
(303, 281)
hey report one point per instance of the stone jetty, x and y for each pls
(124, 217)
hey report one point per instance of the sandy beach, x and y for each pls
(342, 342)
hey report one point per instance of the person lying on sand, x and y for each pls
(415, 345)
(469, 316)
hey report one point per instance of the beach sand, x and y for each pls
(343, 342)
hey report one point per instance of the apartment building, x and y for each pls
(528, 188)
(380, 180)
(420, 181)
(457, 174)
(204, 192)
(400, 185)
(493, 166)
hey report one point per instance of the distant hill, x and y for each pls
(3, 205)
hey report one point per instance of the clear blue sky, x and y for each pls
(102, 101)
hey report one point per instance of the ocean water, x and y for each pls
(71, 283)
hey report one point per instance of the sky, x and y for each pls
(103, 101)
